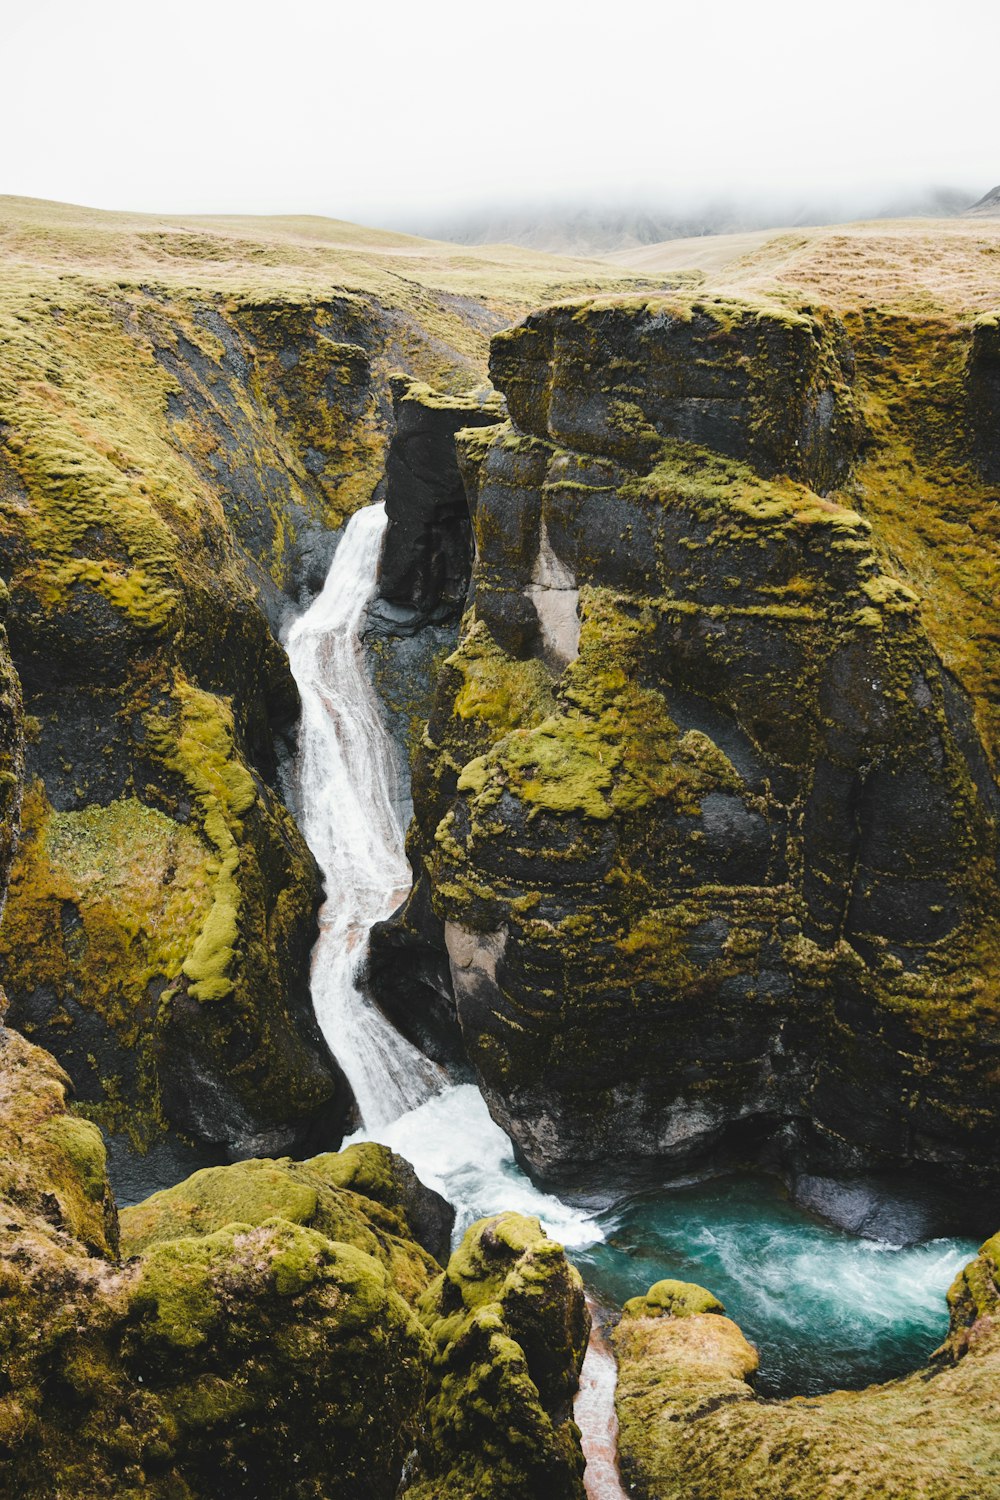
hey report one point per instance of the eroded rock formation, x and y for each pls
(716, 876)
(691, 1428)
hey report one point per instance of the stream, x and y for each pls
(824, 1308)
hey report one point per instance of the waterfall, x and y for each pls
(346, 787)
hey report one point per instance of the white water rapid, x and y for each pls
(346, 784)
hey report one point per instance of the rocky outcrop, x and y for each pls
(717, 876)
(273, 1328)
(984, 394)
(691, 1428)
(427, 557)
(509, 1327)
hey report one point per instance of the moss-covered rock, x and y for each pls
(258, 1338)
(705, 817)
(509, 1327)
(691, 1427)
(269, 1329)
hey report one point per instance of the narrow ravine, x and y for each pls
(345, 782)
(594, 1413)
(347, 794)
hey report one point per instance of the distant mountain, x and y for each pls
(988, 207)
(596, 230)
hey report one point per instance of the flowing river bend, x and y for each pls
(818, 1303)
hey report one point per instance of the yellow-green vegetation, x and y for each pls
(672, 1299)
(311, 1193)
(509, 1327)
(52, 1164)
(275, 1319)
(187, 409)
(692, 1429)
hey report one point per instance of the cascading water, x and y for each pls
(788, 1280)
(346, 787)
(345, 779)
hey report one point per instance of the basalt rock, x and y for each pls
(691, 1428)
(708, 823)
(427, 557)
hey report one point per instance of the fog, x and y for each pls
(416, 114)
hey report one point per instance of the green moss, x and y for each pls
(509, 1328)
(357, 1198)
(672, 1299)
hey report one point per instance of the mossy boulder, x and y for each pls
(691, 1428)
(268, 1329)
(365, 1198)
(672, 1299)
(509, 1328)
(706, 815)
(257, 1338)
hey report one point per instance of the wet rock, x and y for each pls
(427, 557)
(739, 834)
(690, 1425)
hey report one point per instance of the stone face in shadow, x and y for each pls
(741, 837)
(427, 557)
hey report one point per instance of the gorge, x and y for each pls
(683, 659)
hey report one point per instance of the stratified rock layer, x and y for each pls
(709, 824)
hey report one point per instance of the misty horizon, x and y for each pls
(401, 119)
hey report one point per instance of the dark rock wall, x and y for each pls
(427, 558)
(174, 469)
(706, 823)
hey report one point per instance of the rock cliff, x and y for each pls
(706, 811)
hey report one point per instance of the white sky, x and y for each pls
(389, 112)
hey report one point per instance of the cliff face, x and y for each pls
(187, 417)
(706, 806)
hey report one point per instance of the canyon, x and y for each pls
(660, 605)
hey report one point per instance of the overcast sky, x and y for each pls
(388, 112)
